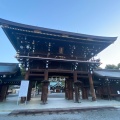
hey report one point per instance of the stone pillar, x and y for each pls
(3, 92)
(92, 88)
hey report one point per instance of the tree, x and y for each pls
(22, 69)
(118, 66)
(111, 66)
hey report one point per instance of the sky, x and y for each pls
(93, 17)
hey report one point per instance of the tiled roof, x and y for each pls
(107, 73)
(8, 68)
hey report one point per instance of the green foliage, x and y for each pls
(99, 67)
(63, 83)
(22, 70)
(112, 66)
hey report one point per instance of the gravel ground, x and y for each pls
(88, 115)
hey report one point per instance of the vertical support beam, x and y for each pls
(46, 85)
(29, 91)
(46, 75)
(92, 87)
(27, 75)
(99, 92)
(3, 92)
(45, 88)
(76, 93)
(66, 89)
(76, 88)
(109, 92)
(44, 92)
(75, 76)
(84, 93)
(71, 90)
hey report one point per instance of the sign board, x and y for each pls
(24, 88)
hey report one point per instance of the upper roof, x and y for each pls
(81, 46)
(6, 22)
(107, 73)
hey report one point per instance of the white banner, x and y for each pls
(24, 88)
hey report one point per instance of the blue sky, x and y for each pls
(95, 17)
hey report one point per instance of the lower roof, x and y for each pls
(107, 73)
(8, 68)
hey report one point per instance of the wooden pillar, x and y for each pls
(109, 92)
(29, 91)
(45, 88)
(3, 92)
(27, 75)
(46, 75)
(76, 93)
(92, 88)
(84, 93)
(99, 92)
(66, 89)
(76, 88)
(44, 92)
(70, 90)
(75, 76)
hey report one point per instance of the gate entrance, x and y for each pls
(45, 52)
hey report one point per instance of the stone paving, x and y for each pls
(53, 102)
(87, 115)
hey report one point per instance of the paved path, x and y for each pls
(107, 114)
(54, 101)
